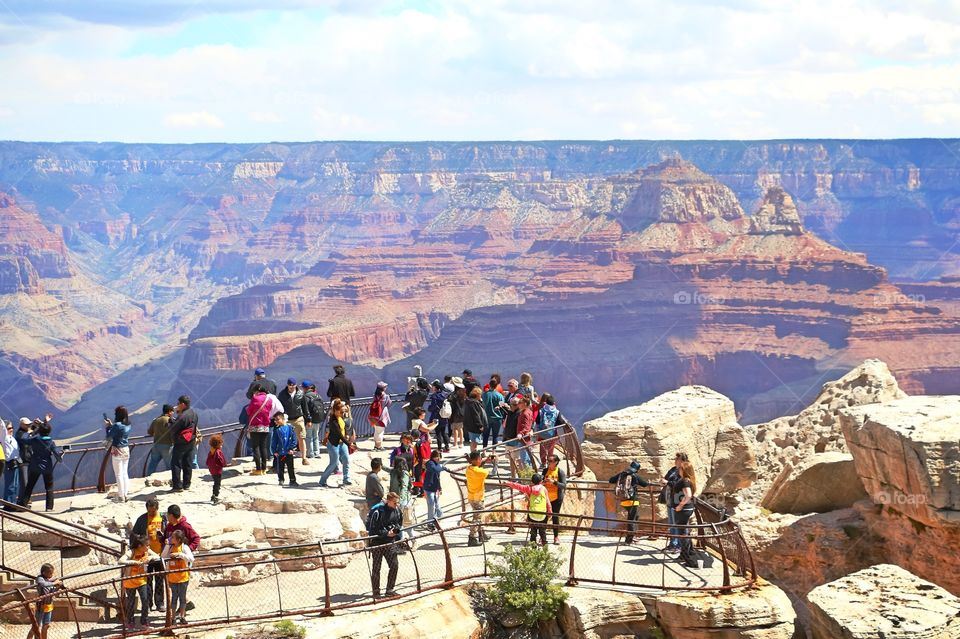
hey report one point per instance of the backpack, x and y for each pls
(626, 488)
(447, 409)
(373, 516)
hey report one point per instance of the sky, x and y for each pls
(299, 70)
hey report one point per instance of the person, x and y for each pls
(669, 484)
(513, 388)
(511, 414)
(474, 417)
(538, 506)
(379, 416)
(435, 403)
(44, 455)
(405, 450)
(421, 449)
(11, 472)
(373, 491)
(294, 403)
(260, 412)
(469, 381)
(316, 416)
(24, 432)
(149, 525)
(385, 526)
(46, 587)
(349, 431)
(118, 433)
(556, 482)
(400, 484)
(260, 379)
(524, 429)
(548, 418)
(431, 488)
(162, 448)
(177, 521)
(492, 399)
(178, 558)
(415, 398)
(627, 482)
(476, 476)
(340, 387)
(135, 582)
(493, 383)
(458, 400)
(283, 445)
(686, 488)
(336, 442)
(184, 432)
(215, 463)
(526, 388)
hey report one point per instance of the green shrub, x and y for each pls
(524, 583)
(288, 629)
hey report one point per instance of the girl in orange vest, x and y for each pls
(178, 558)
(135, 581)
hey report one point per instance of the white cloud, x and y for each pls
(193, 120)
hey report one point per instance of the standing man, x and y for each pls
(315, 417)
(11, 473)
(150, 525)
(162, 440)
(340, 386)
(627, 482)
(184, 434)
(260, 377)
(22, 435)
(294, 402)
(469, 381)
(177, 521)
(385, 525)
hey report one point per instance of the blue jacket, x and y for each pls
(119, 434)
(547, 421)
(44, 453)
(433, 410)
(283, 440)
(431, 479)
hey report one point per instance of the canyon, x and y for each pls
(613, 271)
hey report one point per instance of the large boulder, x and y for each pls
(907, 453)
(820, 483)
(763, 612)
(692, 419)
(883, 602)
(599, 614)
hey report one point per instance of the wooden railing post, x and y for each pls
(572, 576)
(448, 570)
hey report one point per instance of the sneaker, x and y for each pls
(161, 608)
(294, 484)
(177, 490)
(346, 483)
(672, 550)
(324, 485)
(446, 449)
(390, 593)
(280, 482)
(214, 500)
(485, 537)
(556, 541)
(376, 594)
(473, 541)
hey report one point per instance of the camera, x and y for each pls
(66, 447)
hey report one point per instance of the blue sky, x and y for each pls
(253, 70)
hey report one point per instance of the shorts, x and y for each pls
(44, 618)
(456, 427)
(299, 426)
(475, 438)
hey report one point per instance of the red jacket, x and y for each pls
(193, 539)
(525, 424)
(216, 461)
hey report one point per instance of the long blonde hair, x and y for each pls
(687, 472)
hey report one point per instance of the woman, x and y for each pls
(379, 415)
(415, 398)
(337, 444)
(119, 434)
(259, 413)
(548, 417)
(400, 482)
(556, 482)
(458, 400)
(687, 488)
(436, 399)
(44, 454)
(669, 483)
(492, 399)
(474, 418)
(526, 387)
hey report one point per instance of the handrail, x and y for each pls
(13, 512)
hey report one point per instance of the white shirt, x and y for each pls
(11, 449)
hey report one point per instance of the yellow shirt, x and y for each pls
(552, 490)
(177, 564)
(137, 573)
(153, 527)
(476, 475)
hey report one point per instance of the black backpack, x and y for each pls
(626, 488)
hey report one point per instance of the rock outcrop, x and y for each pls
(908, 455)
(602, 614)
(819, 483)
(692, 419)
(763, 612)
(777, 214)
(883, 602)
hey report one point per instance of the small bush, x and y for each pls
(288, 629)
(524, 583)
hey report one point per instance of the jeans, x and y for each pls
(379, 553)
(672, 519)
(443, 434)
(491, 433)
(520, 449)
(633, 515)
(11, 484)
(34, 474)
(121, 466)
(178, 597)
(259, 442)
(286, 463)
(433, 505)
(340, 453)
(159, 453)
(312, 439)
(195, 463)
(555, 506)
(181, 462)
(216, 485)
(686, 544)
(155, 582)
(130, 604)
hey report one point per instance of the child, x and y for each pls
(215, 463)
(46, 586)
(284, 448)
(373, 491)
(135, 584)
(538, 506)
(178, 558)
(421, 432)
(476, 477)
(431, 487)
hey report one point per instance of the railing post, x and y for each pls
(33, 618)
(326, 580)
(448, 571)
(572, 576)
(101, 478)
(723, 559)
(73, 482)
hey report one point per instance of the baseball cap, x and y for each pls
(292, 380)
(306, 383)
(25, 421)
(259, 371)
